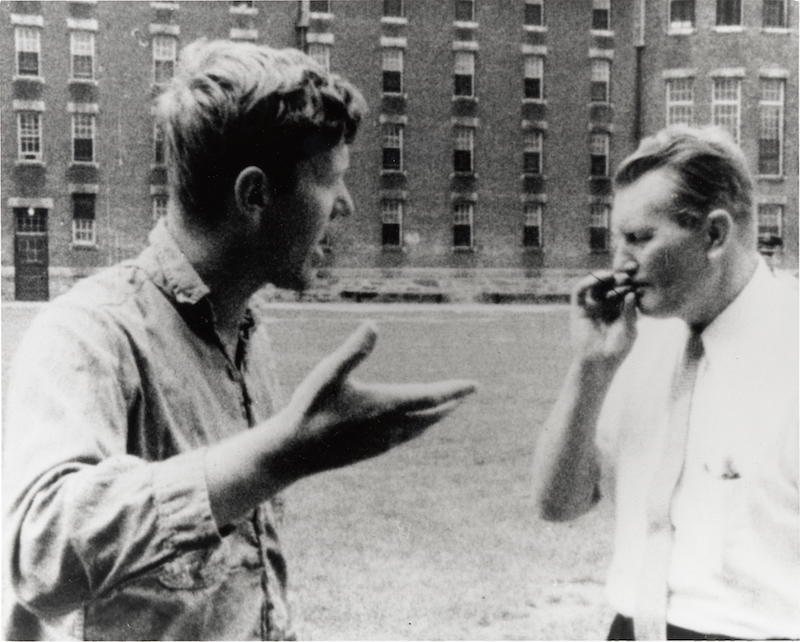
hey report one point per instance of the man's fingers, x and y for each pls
(413, 397)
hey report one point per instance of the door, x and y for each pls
(31, 257)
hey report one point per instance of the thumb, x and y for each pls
(629, 312)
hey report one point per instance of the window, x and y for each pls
(158, 144)
(680, 101)
(465, 10)
(462, 152)
(725, 99)
(729, 12)
(601, 77)
(165, 50)
(30, 220)
(159, 206)
(464, 73)
(83, 230)
(774, 13)
(532, 226)
(392, 147)
(29, 132)
(681, 14)
(321, 53)
(534, 77)
(770, 221)
(532, 156)
(534, 13)
(598, 227)
(462, 224)
(770, 129)
(319, 6)
(83, 138)
(598, 151)
(242, 4)
(393, 8)
(392, 71)
(81, 47)
(601, 15)
(391, 223)
(28, 45)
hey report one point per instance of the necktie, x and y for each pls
(651, 613)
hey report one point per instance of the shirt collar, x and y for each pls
(737, 330)
(178, 278)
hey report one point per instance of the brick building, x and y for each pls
(486, 156)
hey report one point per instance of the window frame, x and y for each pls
(400, 14)
(599, 212)
(164, 57)
(392, 210)
(533, 152)
(533, 72)
(533, 214)
(603, 82)
(463, 149)
(458, 9)
(525, 16)
(779, 211)
(723, 8)
(89, 125)
(676, 103)
(718, 105)
(784, 14)
(678, 26)
(463, 213)
(595, 156)
(778, 104)
(392, 68)
(601, 9)
(74, 52)
(29, 135)
(312, 4)
(464, 73)
(83, 225)
(27, 40)
(392, 133)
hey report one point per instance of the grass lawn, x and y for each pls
(437, 539)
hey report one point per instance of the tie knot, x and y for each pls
(694, 346)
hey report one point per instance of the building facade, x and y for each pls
(486, 157)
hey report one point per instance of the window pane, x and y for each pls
(681, 13)
(462, 85)
(774, 13)
(599, 92)
(533, 14)
(770, 220)
(462, 160)
(465, 10)
(600, 19)
(83, 206)
(28, 63)
(319, 6)
(392, 7)
(321, 53)
(729, 12)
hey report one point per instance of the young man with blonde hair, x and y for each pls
(145, 433)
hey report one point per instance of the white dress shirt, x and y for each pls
(735, 562)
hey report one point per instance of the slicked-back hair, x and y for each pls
(710, 168)
(232, 104)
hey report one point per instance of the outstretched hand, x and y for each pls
(338, 420)
(603, 317)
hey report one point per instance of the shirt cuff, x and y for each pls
(184, 508)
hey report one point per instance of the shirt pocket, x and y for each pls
(197, 569)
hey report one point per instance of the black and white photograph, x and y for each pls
(400, 320)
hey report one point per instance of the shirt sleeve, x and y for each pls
(82, 515)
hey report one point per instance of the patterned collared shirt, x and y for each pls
(115, 392)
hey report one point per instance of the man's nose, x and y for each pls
(624, 262)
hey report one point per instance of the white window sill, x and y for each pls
(728, 29)
(394, 20)
(534, 101)
(395, 94)
(24, 162)
(605, 33)
(465, 24)
(320, 16)
(471, 99)
(84, 245)
(681, 31)
(243, 11)
(772, 178)
(91, 82)
(535, 28)
(23, 77)
(464, 175)
(164, 6)
(525, 175)
(75, 163)
(776, 30)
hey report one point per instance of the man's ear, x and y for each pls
(719, 230)
(251, 192)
